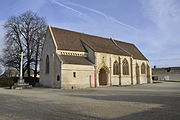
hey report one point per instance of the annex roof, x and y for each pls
(79, 60)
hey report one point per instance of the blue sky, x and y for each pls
(152, 25)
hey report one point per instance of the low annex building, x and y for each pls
(76, 60)
(169, 73)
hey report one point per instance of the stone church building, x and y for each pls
(76, 60)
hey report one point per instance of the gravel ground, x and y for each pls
(160, 101)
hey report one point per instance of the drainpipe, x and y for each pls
(60, 70)
(119, 71)
(95, 76)
(110, 72)
(131, 59)
(95, 80)
(52, 71)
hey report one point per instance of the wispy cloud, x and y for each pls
(1, 29)
(102, 14)
(162, 12)
(108, 17)
(67, 4)
(1, 35)
(163, 36)
(20, 6)
(166, 17)
(74, 11)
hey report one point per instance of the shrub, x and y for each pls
(32, 81)
(9, 81)
(6, 82)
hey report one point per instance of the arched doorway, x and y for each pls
(103, 77)
(148, 74)
(137, 74)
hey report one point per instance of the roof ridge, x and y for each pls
(124, 42)
(106, 38)
(120, 47)
(83, 42)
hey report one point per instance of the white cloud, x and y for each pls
(163, 38)
(83, 15)
(21, 6)
(163, 12)
(1, 36)
(65, 6)
(166, 16)
(1, 30)
(108, 17)
(77, 13)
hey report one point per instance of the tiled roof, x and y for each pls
(132, 49)
(79, 60)
(72, 41)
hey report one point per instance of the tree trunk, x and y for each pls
(36, 60)
(28, 63)
(36, 66)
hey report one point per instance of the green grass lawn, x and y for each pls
(157, 81)
(166, 81)
(172, 80)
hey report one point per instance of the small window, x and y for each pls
(58, 77)
(47, 64)
(74, 74)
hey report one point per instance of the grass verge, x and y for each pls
(172, 80)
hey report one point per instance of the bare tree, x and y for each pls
(38, 48)
(24, 33)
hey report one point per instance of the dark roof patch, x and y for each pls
(79, 60)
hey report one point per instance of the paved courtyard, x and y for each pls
(160, 101)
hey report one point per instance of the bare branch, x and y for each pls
(24, 33)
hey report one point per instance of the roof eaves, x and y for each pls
(54, 40)
(140, 52)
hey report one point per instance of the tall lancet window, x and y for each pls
(47, 64)
(143, 68)
(115, 68)
(125, 67)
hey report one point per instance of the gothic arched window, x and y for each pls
(125, 65)
(143, 68)
(115, 68)
(47, 64)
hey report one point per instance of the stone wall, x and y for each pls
(142, 77)
(49, 49)
(104, 59)
(171, 73)
(83, 78)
